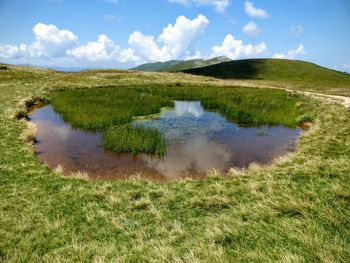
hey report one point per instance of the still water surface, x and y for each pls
(197, 141)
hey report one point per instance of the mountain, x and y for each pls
(279, 70)
(179, 65)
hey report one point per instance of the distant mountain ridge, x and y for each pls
(179, 65)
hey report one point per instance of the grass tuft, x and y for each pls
(134, 139)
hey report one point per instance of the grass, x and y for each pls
(134, 139)
(296, 210)
(112, 106)
(101, 108)
(176, 65)
(289, 73)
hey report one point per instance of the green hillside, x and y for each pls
(178, 65)
(278, 70)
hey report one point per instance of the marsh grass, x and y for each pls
(104, 107)
(112, 106)
(134, 139)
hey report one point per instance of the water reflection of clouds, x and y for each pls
(185, 107)
(61, 132)
(199, 155)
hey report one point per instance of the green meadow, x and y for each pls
(294, 210)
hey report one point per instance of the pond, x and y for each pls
(197, 141)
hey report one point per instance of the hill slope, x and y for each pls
(281, 70)
(178, 65)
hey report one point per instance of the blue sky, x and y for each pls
(124, 33)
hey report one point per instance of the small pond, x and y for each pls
(197, 141)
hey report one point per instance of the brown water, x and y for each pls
(197, 141)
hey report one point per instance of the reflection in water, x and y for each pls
(197, 141)
(193, 108)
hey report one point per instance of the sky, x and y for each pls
(126, 33)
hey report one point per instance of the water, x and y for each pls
(197, 141)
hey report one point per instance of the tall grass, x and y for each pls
(113, 106)
(104, 107)
(134, 139)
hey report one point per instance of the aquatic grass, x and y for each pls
(112, 106)
(104, 107)
(134, 139)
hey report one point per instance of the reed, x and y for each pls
(134, 139)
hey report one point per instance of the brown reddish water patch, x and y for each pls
(197, 141)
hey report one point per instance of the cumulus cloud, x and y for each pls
(192, 55)
(296, 30)
(54, 45)
(175, 39)
(235, 49)
(102, 49)
(12, 51)
(127, 55)
(251, 10)
(251, 29)
(60, 47)
(219, 5)
(50, 41)
(291, 54)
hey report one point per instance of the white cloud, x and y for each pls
(235, 49)
(253, 11)
(12, 51)
(296, 30)
(176, 39)
(102, 49)
(251, 29)
(128, 55)
(291, 54)
(146, 47)
(192, 55)
(59, 46)
(219, 5)
(51, 41)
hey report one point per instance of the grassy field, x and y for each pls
(296, 210)
(288, 73)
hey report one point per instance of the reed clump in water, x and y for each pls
(134, 139)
